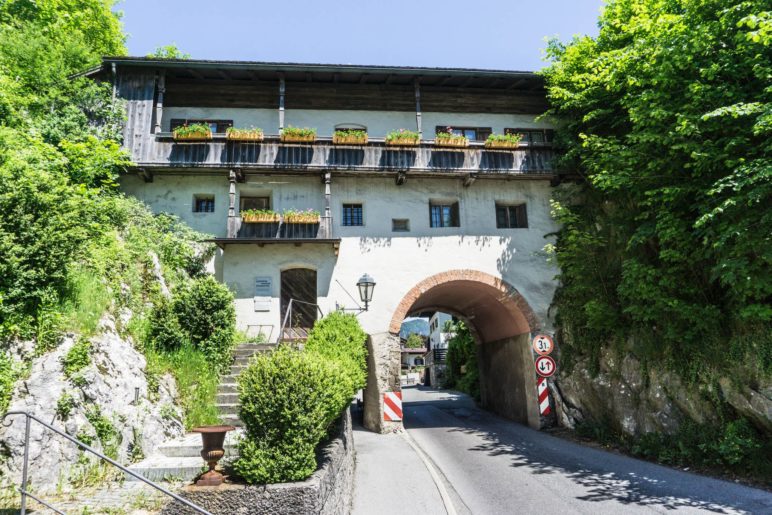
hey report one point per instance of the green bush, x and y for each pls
(164, 331)
(77, 358)
(8, 375)
(205, 311)
(288, 400)
(462, 352)
(340, 338)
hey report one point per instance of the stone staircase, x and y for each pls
(180, 459)
(227, 392)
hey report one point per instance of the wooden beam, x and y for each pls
(363, 78)
(146, 174)
(159, 106)
(469, 180)
(224, 75)
(444, 81)
(240, 177)
(281, 101)
(195, 73)
(517, 84)
(401, 178)
(417, 85)
(467, 81)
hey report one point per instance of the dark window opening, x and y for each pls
(203, 204)
(442, 214)
(534, 136)
(352, 215)
(511, 217)
(216, 126)
(255, 203)
(473, 133)
(400, 225)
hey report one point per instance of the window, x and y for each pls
(352, 215)
(400, 225)
(473, 133)
(203, 203)
(255, 203)
(217, 126)
(443, 214)
(533, 136)
(511, 216)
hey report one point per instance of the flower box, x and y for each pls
(259, 219)
(193, 136)
(349, 139)
(502, 144)
(459, 142)
(244, 134)
(294, 138)
(402, 142)
(301, 219)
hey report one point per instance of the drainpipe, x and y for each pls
(418, 109)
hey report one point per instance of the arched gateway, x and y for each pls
(502, 322)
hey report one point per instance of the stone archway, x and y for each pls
(502, 321)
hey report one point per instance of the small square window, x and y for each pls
(352, 215)
(203, 204)
(443, 214)
(511, 216)
(400, 225)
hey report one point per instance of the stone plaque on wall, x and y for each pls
(262, 293)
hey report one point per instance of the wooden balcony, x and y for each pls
(164, 152)
(240, 232)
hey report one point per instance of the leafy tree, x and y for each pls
(666, 116)
(414, 341)
(169, 52)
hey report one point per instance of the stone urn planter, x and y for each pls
(213, 438)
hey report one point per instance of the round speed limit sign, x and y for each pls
(545, 366)
(542, 344)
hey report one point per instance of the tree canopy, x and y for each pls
(667, 239)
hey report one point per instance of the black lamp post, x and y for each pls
(366, 285)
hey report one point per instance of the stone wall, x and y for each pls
(329, 490)
(383, 369)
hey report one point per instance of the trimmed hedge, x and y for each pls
(290, 398)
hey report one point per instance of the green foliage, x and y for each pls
(169, 52)
(77, 358)
(298, 131)
(338, 337)
(192, 130)
(196, 379)
(108, 435)
(205, 311)
(86, 301)
(506, 138)
(403, 134)
(164, 330)
(666, 114)
(65, 405)
(415, 341)
(351, 133)
(288, 399)
(448, 134)
(9, 373)
(462, 352)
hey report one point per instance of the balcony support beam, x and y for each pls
(418, 109)
(282, 87)
(234, 218)
(159, 105)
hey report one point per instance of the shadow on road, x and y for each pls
(604, 476)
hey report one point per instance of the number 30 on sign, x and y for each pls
(545, 366)
(542, 344)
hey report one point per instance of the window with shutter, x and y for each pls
(444, 214)
(511, 216)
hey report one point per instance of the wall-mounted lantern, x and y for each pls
(366, 285)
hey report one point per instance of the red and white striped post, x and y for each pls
(392, 406)
(544, 396)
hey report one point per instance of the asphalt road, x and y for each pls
(488, 465)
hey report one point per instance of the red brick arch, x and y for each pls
(495, 307)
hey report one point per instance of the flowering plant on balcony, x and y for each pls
(447, 138)
(192, 132)
(503, 140)
(259, 216)
(297, 216)
(239, 134)
(349, 137)
(403, 137)
(298, 135)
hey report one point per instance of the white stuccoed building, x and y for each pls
(458, 230)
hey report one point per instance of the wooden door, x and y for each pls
(299, 284)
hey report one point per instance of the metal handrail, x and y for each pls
(25, 493)
(288, 315)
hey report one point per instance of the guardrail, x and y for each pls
(287, 331)
(25, 493)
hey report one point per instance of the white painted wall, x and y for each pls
(437, 338)
(378, 123)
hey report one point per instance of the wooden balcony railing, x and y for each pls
(280, 230)
(323, 155)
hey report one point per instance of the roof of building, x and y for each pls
(320, 72)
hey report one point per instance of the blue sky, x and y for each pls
(497, 34)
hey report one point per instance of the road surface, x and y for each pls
(487, 465)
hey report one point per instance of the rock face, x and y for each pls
(111, 405)
(636, 400)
